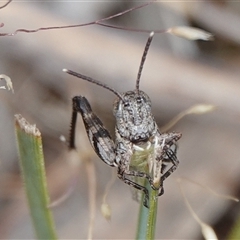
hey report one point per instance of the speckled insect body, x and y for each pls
(140, 151)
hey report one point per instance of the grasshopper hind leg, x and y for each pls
(98, 135)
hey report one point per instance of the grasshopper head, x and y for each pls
(134, 120)
(132, 110)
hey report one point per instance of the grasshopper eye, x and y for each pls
(139, 100)
(126, 104)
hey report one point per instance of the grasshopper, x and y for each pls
(138, 142)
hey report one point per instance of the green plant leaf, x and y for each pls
(34, 177)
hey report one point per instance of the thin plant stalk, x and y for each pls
(147, 217)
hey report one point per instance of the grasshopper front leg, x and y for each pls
(170, 149)
(122, 175)
(98, 135)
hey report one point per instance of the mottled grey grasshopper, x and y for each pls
(139, 150)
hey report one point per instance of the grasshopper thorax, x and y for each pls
(134, 119)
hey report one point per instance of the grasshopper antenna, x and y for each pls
(93, 81)
(143, 60)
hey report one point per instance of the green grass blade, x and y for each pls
(152, 215)
(147, 217)
(142, 221)
(34, 177)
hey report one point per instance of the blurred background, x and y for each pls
(178, 74)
